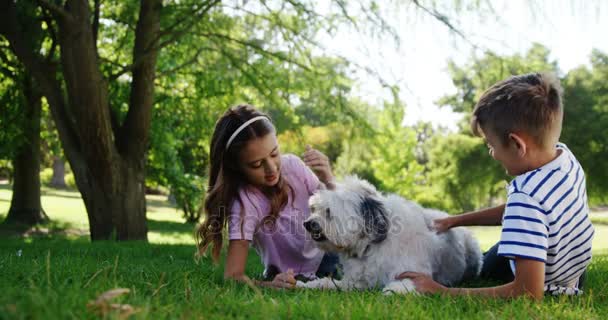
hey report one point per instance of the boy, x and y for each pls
(546, 236)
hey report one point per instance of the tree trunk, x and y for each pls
(26, 207)
(112, 185)
(108, 162)
(58, 179)
(118, 214)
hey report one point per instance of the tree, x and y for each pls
(107, 159)
(52, 155)
(21, 104)
(26, 207)
(385, 152)
(461, 175)
(272, 70)
(98, 74)
(585, 122)
(475, 77)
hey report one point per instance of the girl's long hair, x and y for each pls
(225, 178)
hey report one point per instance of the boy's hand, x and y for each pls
(319, 163)
(423, 282)
(443, 225)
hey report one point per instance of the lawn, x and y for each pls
(56, 272)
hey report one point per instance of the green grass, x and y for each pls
(56, 275)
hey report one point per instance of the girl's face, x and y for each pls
(260, 161)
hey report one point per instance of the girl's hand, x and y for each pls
(319, 163)
(284, 280)
(443, 225)
(423, 283)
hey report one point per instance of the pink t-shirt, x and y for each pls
(287, 245)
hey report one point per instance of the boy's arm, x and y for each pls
(484, 217)
(529, 281)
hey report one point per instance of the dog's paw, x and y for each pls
(300, 284)
(399, 287)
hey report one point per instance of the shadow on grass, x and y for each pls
(51, 229)
(49, 191)
(61, 193)
(64, 230)
(170, 227)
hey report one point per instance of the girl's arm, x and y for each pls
(236, 259)
(529, 281)
(484, 217)
(235, 267)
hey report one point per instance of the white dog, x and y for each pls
(378, 237)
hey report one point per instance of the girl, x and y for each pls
(263, 197)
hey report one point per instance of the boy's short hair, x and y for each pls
(529, 103)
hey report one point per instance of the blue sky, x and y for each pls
(570, 29)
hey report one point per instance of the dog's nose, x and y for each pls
(312, 226)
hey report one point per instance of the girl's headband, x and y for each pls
(243, 126)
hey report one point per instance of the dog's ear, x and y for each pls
(374, 215)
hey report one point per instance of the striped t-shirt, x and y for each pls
(546, 219)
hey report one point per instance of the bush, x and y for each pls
(70, 181)
(45, 176)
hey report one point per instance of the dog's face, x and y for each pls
(348, 218)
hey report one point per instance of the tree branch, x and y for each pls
(57, 10)
(184, 64)
(191, 15)
(257, 48)
(44, 75)
(134, 133)
(443, 19)
(253, 78)
(175, 35)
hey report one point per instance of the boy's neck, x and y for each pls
(540, 157)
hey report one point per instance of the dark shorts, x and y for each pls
(498, 268)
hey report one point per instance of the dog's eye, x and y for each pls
(327, 214)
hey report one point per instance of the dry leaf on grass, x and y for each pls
(102, 306)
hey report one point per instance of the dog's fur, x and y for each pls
(378, 237)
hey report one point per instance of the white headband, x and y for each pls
(243, 126)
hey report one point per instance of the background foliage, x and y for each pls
(266, 55)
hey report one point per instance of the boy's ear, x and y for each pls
(520, 143)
